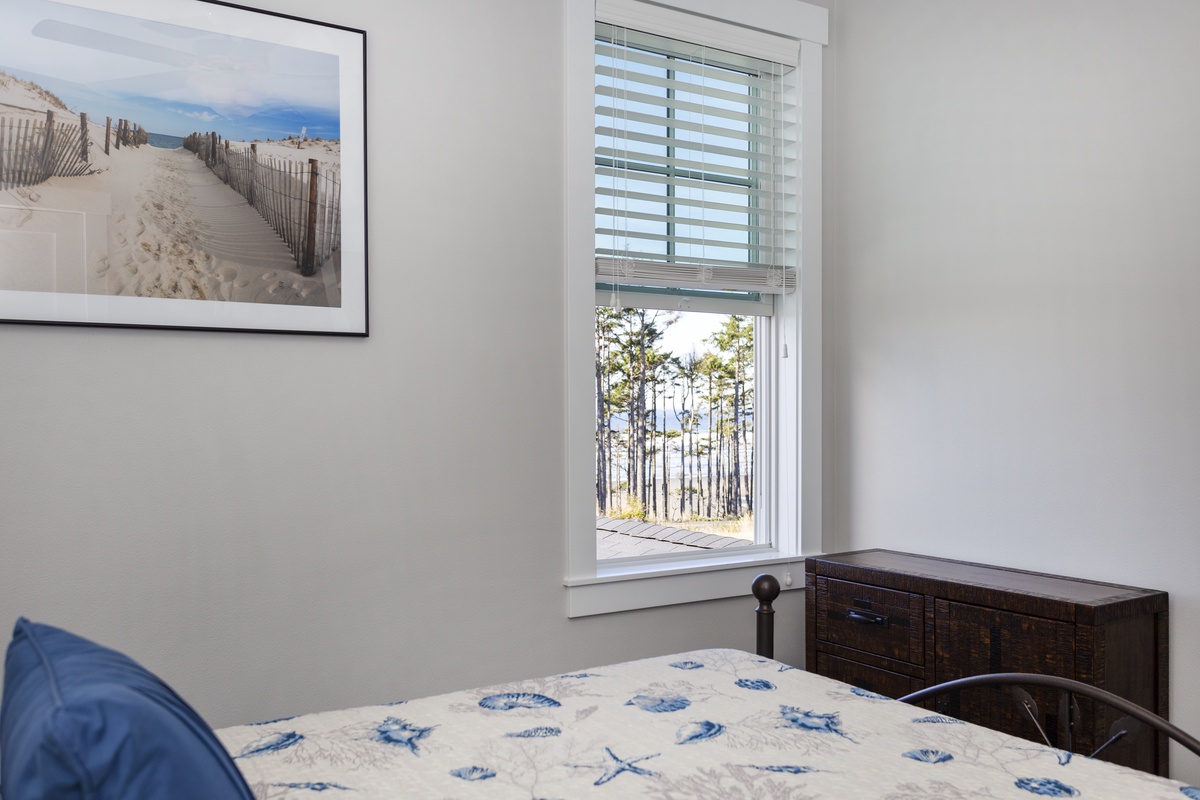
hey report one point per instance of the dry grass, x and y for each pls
(739, 527)
(51, 99)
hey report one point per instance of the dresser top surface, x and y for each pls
(1072, 590)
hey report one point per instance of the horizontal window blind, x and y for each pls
(696, 170)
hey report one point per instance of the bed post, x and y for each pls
(765, 589)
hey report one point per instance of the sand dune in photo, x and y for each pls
(169, 228)
(178, 231)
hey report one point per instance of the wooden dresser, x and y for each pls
(893, 623)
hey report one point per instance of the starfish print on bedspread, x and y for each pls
(614, 765)
(397, 732)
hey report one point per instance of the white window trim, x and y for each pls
(602, 587)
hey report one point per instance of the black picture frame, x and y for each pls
(186, 164)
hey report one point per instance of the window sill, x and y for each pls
(648, 584)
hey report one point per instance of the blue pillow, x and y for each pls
(78, 720)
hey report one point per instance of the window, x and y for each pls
(695, 203)
(694, 320)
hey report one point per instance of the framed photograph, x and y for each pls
(181, 164)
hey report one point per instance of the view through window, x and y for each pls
(696, 386)
(675, 451)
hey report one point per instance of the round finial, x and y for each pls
(765, 588)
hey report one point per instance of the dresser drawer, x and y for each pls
(872, 619)
(873, 679)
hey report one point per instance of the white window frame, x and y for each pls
(794, 380)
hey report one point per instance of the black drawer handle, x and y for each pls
(866, 617)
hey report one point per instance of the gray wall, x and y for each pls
(1016, 291)
(277, 523)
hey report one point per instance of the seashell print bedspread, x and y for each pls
(708, 724)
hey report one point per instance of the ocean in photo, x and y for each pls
(165, 141)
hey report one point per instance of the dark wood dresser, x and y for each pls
(893, 623)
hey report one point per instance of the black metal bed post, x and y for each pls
(765, 589)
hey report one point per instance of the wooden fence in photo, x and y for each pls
(300, 201)
(33, 151)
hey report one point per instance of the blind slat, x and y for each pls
(655, 276)
(764, 105)
(663, 121)
(612, 160)
(620, 95)
(679, 201)
(757, 230)
(760, 250)
(719, 195)
(770, 160)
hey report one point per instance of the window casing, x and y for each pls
(787, 363)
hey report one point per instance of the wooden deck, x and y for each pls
(621, 538)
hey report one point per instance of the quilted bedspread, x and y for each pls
(707, 724)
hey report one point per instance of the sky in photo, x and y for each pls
(167, 78)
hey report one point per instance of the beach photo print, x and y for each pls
(181, 164)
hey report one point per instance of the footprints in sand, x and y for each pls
(290, 285)
(181, 233)
(31, 197)
(29, 193)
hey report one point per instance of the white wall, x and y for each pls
(278, 524)
(1016, 291)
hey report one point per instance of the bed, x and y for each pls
(706, 724)
(715, 723)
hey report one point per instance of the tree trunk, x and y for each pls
(652, 483)
(666, 464)
(735, 477)
(640, 455)
(601, 427)
(708, 462)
